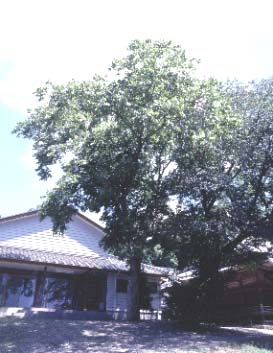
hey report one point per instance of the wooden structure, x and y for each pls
(248, 295)
(45, 272)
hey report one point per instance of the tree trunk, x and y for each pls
(212, 288)
(133, 313)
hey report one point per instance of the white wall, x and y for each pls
(111, 292)
(80, 239)
(119, 301)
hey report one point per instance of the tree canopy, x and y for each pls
(114, 141)
(178, 165)
(224, 184)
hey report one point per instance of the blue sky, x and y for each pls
(62, 40)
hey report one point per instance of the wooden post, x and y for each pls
(39, 289)
(115, 295)
(86, 290)
(103, 292)
(4, 289)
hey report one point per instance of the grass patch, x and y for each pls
(249, 348)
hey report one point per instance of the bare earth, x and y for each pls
(64, 336)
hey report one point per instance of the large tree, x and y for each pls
(223, 182)
(113, 138)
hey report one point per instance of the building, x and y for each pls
(247, 294)
(71, 274)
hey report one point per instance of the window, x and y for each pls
(152, 287)
(57, 293)
(16, 290)
(122, 285)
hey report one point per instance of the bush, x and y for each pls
(194, 301)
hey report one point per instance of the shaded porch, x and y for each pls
(81, 291)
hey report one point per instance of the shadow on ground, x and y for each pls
(63, 336)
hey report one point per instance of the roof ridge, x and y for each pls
(54, 252)
(36, 211)
(18, 215)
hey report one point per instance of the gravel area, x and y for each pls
(65, 336)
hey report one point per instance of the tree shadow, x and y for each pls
(66, 336)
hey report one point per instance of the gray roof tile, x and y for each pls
(25, 238)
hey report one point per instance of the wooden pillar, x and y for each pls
(103, 292)
(3, 289)
(76, 293)
(85, 290)
(39, 289)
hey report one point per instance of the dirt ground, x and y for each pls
(64, 336)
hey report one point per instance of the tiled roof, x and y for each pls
(19, 254)
(25, 238)
(110, 263)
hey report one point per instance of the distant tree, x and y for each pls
(119, 136)
(223, 182)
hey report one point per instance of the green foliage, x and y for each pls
(223, 183)
(194, 301)
(181, 167)
(114, 141)
(119, 135)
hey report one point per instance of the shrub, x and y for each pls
(194, 301)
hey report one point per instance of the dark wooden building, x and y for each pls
(248, 295)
